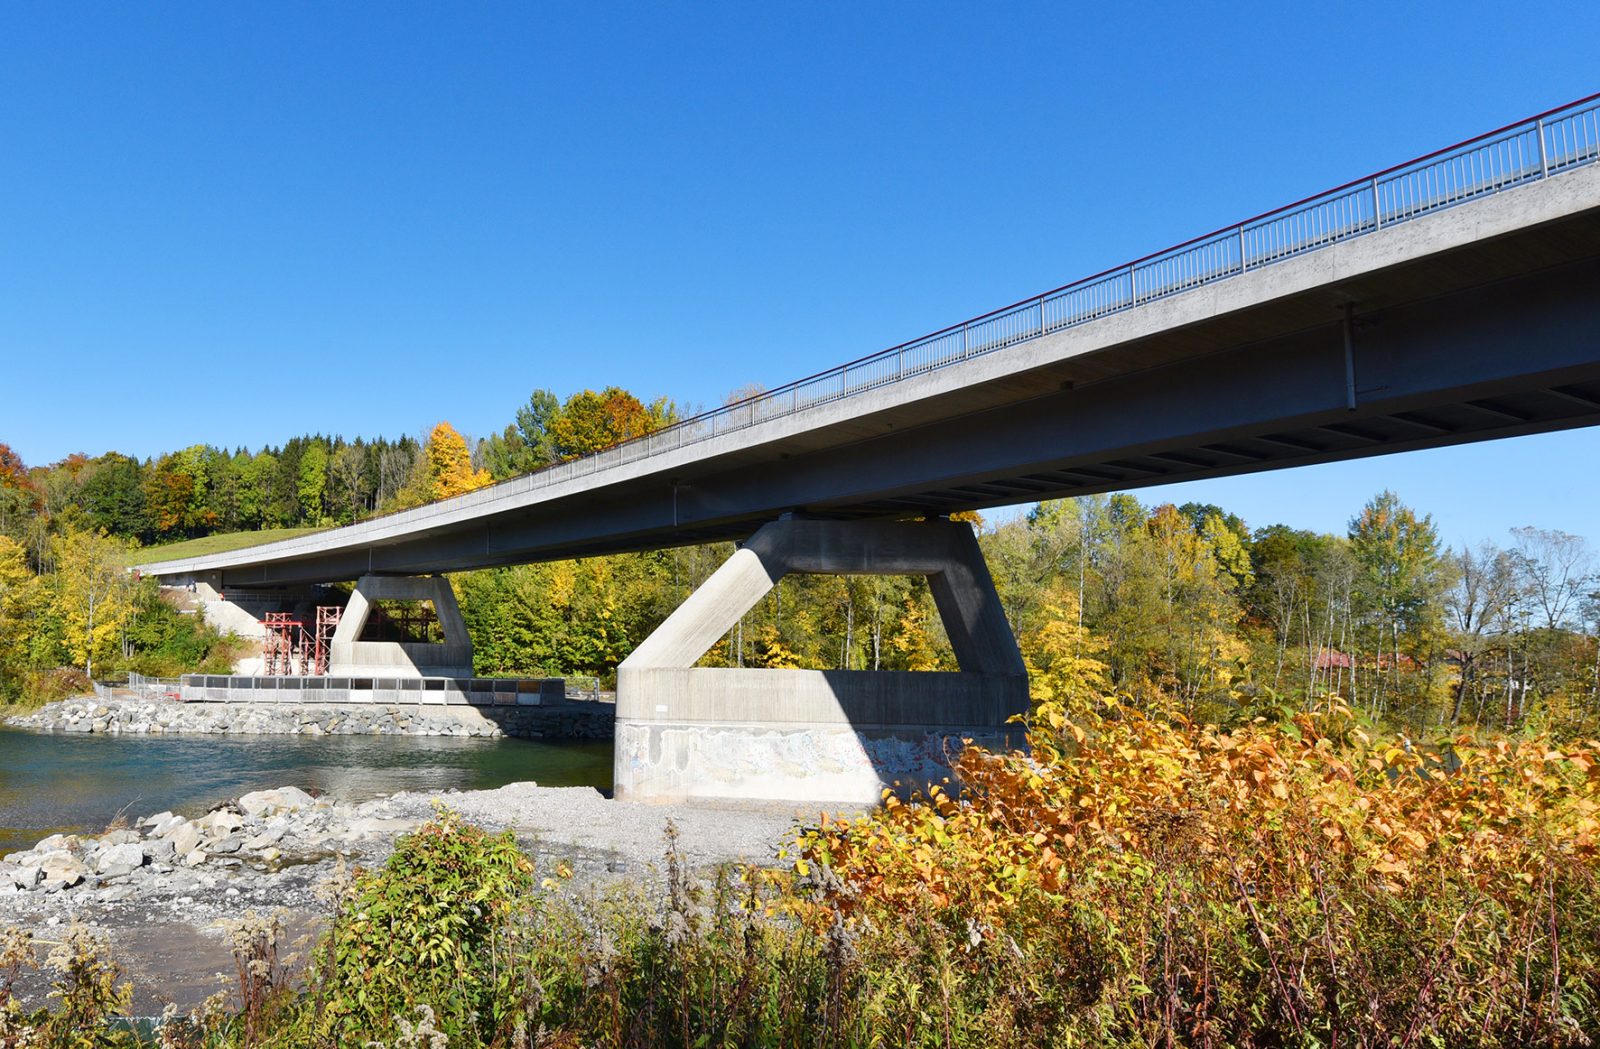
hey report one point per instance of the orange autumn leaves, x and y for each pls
(1128, 792)
(1297, 882)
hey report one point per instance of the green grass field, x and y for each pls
(213, 544)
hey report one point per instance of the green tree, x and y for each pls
(528, 444)
(113, 496)
(1400, 580)
(176, 494)
(256, 477)
(313, 484)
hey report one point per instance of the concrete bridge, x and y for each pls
(1453, 298)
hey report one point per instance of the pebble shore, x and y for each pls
(159, 888)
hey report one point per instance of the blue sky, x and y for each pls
(234, 223)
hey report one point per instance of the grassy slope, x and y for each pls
(213, 544)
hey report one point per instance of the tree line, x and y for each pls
(1180, 607)
(1161, 604)
(309, 481)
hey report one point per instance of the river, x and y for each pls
(78, 783)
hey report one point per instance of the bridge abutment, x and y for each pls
(838, 736)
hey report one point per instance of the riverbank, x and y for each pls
(568, 720)
(91, 777)
(157, 888)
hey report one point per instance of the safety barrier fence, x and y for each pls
(213, 688)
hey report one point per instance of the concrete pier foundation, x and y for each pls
(349, 656)
(830, 736)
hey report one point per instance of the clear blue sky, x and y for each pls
(232, 223)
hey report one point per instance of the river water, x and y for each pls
(78, 783)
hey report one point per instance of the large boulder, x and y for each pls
(128, 854)
(61, 870)
(184, 838)
(165, 824)
(274, 802)
(21, 877)
(268, 837)
(219, 824)
(226, 846)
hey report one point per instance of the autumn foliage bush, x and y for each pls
(1145, 881)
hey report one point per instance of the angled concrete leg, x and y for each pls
(352, 657)
(817, 735)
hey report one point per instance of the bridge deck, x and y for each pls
(1468, 279)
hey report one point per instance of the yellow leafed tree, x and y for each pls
(1066, 675)
(443, 469)
(450, 464)
(19, 591)
(1062, 656)
(94, 593)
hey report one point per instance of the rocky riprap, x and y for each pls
(161, 717)
(264, 833)
(159, 888)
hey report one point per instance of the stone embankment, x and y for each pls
(158, 717)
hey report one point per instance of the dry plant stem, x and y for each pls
(1325, 910)
(1425, 993)
(1284, 991)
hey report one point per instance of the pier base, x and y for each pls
(810, 736)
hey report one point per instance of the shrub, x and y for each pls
(1297, 883)
(91, 998)
(429, 928)
(46, 686)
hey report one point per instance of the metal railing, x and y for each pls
(579, 687)
(341, 690)
(146, 687)
(1532, 149)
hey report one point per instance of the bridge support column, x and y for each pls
(350, 656)
(817, 735)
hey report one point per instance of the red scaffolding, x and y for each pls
(284, 649)
(327, 623)
(290, 649)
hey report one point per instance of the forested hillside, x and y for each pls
(1186, 606)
